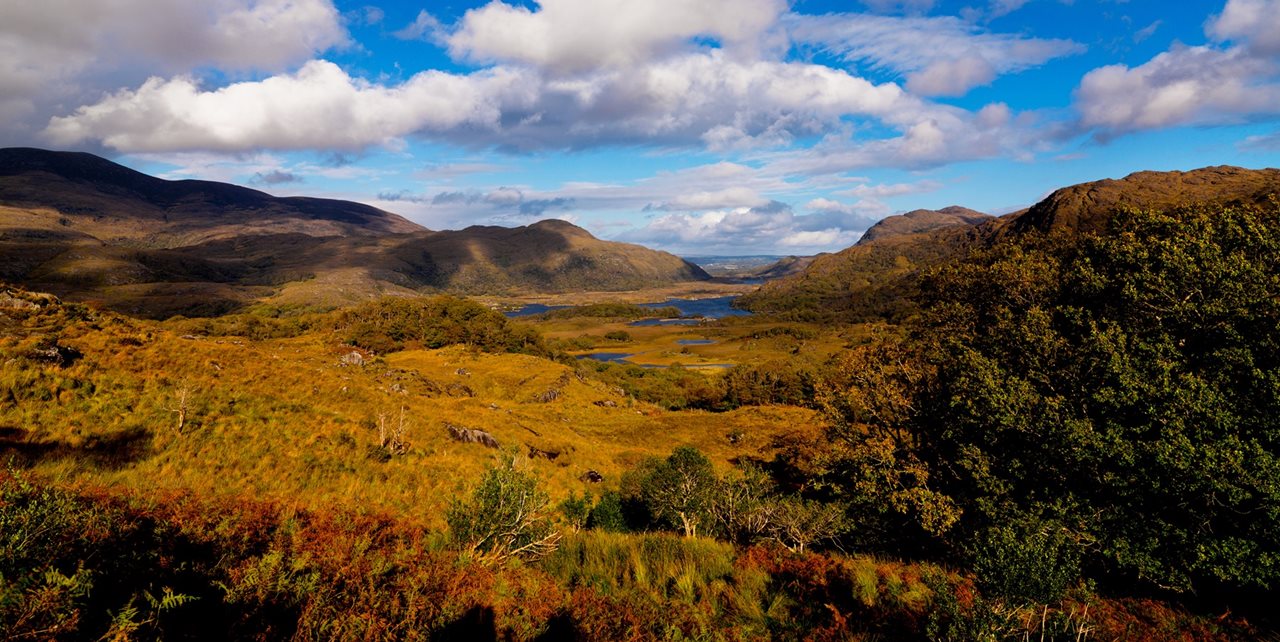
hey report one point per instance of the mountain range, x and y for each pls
(871, 278)
(84, 227)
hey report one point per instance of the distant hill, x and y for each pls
(96, 197)
(919, 221)
(87, 228)
(1087, 207)
(872, 279)
(785, 266)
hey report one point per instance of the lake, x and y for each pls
(714, 308)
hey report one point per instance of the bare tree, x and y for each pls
(391, 438)
(180, 408)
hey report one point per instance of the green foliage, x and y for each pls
(506, 516)
(576, 510)
(1123, 385)
(392, 323)
(607, 514)
(613, 311)
(1034, 562)
(674, 388)
(618, 335)
(679, 490)
(65, 563)
(770, 382)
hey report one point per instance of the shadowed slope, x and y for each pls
(89, 229)
(84, 193)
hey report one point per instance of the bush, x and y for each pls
(1028, 562)
(618, 335)
(506, 516)
(607, 514)
(393, 323)
(771, 382)
(613, 311)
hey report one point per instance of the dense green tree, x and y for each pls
(679, 490)
(1123, 386)
(392, 323)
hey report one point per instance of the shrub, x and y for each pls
(1032, 561)
(506, 516)
(771, 382)
(576, 510)
(392, 323)
(679, 490)
(607, 514)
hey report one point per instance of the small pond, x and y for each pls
(615, 357)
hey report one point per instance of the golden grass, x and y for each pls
(285, 420)
(736, 342)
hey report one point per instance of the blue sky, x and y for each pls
(696, 126)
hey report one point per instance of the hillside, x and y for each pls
(82, 194)
(871, 278)
(88, 229)
(920, 221)
(785, 266)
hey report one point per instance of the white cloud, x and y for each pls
(423, 27)
(1185, 85)
(744, 229)
(54, 51)
(997, 8)
(940, 56)
(577, 35)
(727, 197)
(319, 107)
(1261, 143)
(892, 190)
(1255, 22)
(1202, 85)
(939, 137)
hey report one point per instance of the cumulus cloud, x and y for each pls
(958, 57)
(69, 50)
(746, 229)
(1184, 85)
(1200, 85)
(944, 136)
(577, 35)
(1253, 22)
(321, 107)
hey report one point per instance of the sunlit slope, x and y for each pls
(872, 279)
(91, 230)
(290, 420)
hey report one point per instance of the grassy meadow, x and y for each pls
(293, 474)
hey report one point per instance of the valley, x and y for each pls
(1029, 424)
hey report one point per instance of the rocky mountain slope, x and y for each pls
(920, 221)
(89, 229)
(871, 278)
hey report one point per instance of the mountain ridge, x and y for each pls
(84, 227)
(870, 279)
